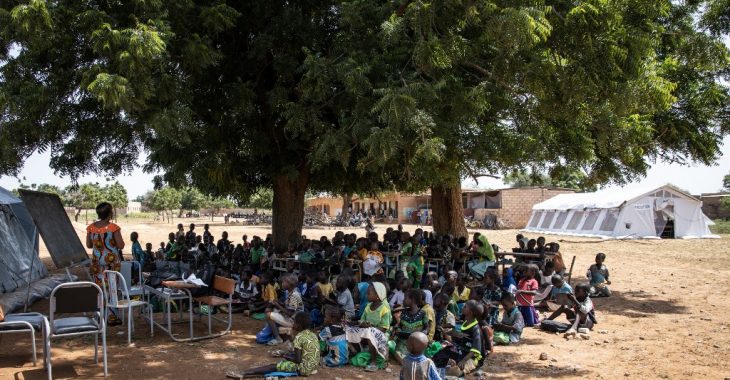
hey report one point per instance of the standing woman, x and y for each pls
(106, 243)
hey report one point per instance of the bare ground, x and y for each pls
(665, 320)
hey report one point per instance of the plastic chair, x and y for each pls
(117, 297)
(126, 270)
(27, 322)
(77, 298)
(223, 285)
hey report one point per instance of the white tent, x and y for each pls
(664, 211)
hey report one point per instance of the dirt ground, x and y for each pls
(666, 319)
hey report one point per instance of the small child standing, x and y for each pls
(598, 276)
(303, 361)
(417, 366)
(526, 291)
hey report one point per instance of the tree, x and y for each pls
(225, 95)
(726, 182)
(164, 201)
(362, 96)
(573, 179)
(494, 87)
(191, 199)
(115, 194)
(83, 197)
(215, 204)
(48, 188)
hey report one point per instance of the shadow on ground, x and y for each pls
(637, 304)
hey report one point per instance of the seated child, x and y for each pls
(303, 361)
(417, 366)
(281, 314)
(580, 313)
(598, 276)
(334, 337)
(246, 290)
(373, 260)
(509, 330)
(309, 290)
(376, 314)
(402, 286)
(561, 290)
(466, 352)
(325, 287)
(508, 281)
(431, 315)
(266, 296)
(344, 298)
(445, 320)
(461, 292)
(546, 275)
(492, 297)
(412, 319)
(149, 259)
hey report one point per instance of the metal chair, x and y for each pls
(30, 323)
(117, 297)
(224, 285)
(77, 298)
(127, 269)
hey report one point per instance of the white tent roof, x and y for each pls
(600, 199)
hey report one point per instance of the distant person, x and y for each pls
(190, 236)
(206, 233)
(106, 243)
(180, 231)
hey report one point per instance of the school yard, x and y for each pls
(666, 319)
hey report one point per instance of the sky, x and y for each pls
(695, 178)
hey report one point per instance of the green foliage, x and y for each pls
(721, 227)
(115, 194)
(361, 96)
(191, 199)
(164, 200)
(218, 203)
(725, 203)
(47, 188)
(726, 182)
(262, 199)
(572, 179)
(595, 87)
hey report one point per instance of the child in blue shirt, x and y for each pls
(416, 366)
(334, 337)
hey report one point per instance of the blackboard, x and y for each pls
(55, 227)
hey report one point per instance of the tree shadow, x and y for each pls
(637, 304)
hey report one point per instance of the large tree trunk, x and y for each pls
(288, 209)
(346, 202)
(448, 211)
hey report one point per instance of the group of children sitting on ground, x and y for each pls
(434, 323)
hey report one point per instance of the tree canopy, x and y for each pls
(357, 96)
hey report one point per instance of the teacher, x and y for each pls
(106, 243)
